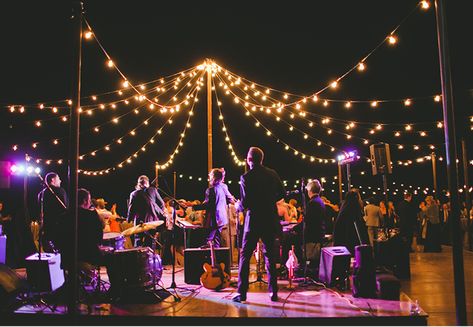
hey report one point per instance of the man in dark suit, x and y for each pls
(53, 205)
(260, 190)
(314, 224)
(145, 203)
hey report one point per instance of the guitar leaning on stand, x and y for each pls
(214, 276)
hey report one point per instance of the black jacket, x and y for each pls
(260, 189)
(145, 205)
(315, 220)
(53, 212)
(407, 217)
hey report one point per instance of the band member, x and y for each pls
(260, 190)
(217, 197)
(314, 223)
(145, 203)
(53, 203)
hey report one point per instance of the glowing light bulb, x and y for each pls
(437, 98)
(407, 102)
(392, 39)
(424, 5)
(110, 63)
(348, 104)
(38, 124)
(423, 134)
(334, 84)
(397, 134)
(88, 35)
(408, 127)
(361, 67)
(325, 103)
(374, 104)
(125, 84)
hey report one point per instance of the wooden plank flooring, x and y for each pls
(431, 284)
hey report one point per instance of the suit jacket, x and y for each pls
(373, 216)
(145, 205)
(215, 205)
(315, 220)
(407, 217)
(53, 212)
(260, 189)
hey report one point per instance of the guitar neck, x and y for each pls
(212, 255)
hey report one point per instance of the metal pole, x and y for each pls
(340, 190)
(451, 156)
(385, 191)
(174, 180)
(209, 116)
(156, 173)
(467, 193)
(74, 152)
(348, 178)
(25, 189)
(434, 172)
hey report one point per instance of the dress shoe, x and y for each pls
(274, 296)
(239, 298)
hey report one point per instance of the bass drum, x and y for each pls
(135, 268)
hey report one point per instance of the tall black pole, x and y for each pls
(434, 172)
(467, 191)
(348, 177)
(451, 157)
(77, 7)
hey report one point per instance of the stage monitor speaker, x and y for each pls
(364, 272)
(44, 275)
(334, 265)
(3, 249)
(10, 286)
(5, 172)
(380, 159)
(194, 260)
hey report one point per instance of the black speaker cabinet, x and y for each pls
(194, 260)
(334, 265)
(380, 159)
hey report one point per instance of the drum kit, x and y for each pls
(138, 267)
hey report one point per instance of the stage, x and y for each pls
(193, 304)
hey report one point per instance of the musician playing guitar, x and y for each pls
(214, 276)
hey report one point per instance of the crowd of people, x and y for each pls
(263, 211)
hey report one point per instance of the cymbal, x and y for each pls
(144, 227)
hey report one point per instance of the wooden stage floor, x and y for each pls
(310, 305)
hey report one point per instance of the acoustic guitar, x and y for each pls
(214, 276)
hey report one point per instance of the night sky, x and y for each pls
(296, 47)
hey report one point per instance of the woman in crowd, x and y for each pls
(432, 241)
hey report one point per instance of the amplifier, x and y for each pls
(44, 275)
(194, 260)
(334, 265)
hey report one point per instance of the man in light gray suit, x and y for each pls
(373, 218)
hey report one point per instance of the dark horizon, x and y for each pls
(297, 48)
